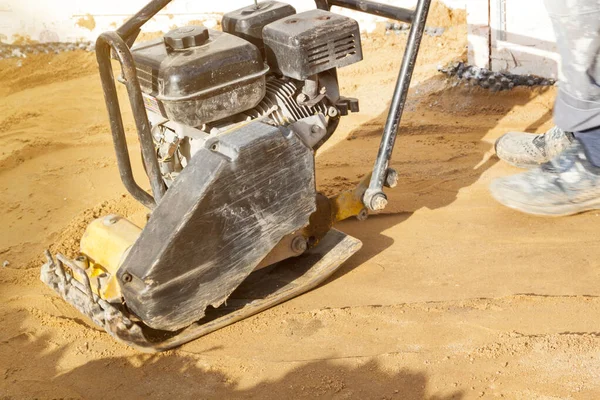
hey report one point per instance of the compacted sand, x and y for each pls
(452, 295)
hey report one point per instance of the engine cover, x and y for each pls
(195, 75)
(248, 22)
(311, 42)
(231, 205)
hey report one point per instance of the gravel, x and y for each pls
(22, 51)
(494, 81)
(402, 27)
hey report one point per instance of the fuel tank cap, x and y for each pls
(186, 37)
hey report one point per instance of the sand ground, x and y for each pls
(452, 295)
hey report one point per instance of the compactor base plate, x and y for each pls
(262, 289)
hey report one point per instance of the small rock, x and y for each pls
(494, 81)
(6, 263)
(434, 31)
(17, 53)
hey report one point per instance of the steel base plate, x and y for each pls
(262, 289)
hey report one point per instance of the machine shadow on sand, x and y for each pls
(179, 376)
(459, 167)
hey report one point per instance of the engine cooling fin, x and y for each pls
(280, 104)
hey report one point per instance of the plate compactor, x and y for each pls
(228, 123)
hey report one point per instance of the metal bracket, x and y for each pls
(347, 105)
(310, 129)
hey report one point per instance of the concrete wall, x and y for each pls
(75, 20)
(504, 35)
(513, 36)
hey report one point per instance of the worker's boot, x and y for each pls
(568, 184)
(525, 150)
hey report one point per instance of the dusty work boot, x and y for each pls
(524, 150)
(568, 184)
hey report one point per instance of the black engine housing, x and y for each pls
(195, 76)
(249, 22)
(311, 42)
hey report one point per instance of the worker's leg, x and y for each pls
(577, 28)
(569, 183)
(577, 109)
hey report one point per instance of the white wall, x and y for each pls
(75, 20)
(518, 33)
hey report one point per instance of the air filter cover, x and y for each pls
(314, 41)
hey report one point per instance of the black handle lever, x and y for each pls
(374, 198)
(372, 7)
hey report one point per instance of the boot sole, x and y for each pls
(521, 166)
(549, 211)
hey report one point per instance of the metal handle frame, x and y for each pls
(117, 42)
(370, 7)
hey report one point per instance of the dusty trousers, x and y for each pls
(577, 108)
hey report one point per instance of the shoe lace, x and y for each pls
(547, 141)
(539, 141)
(564, 161)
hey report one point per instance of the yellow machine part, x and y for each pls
(105, 244)
(349, 203)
